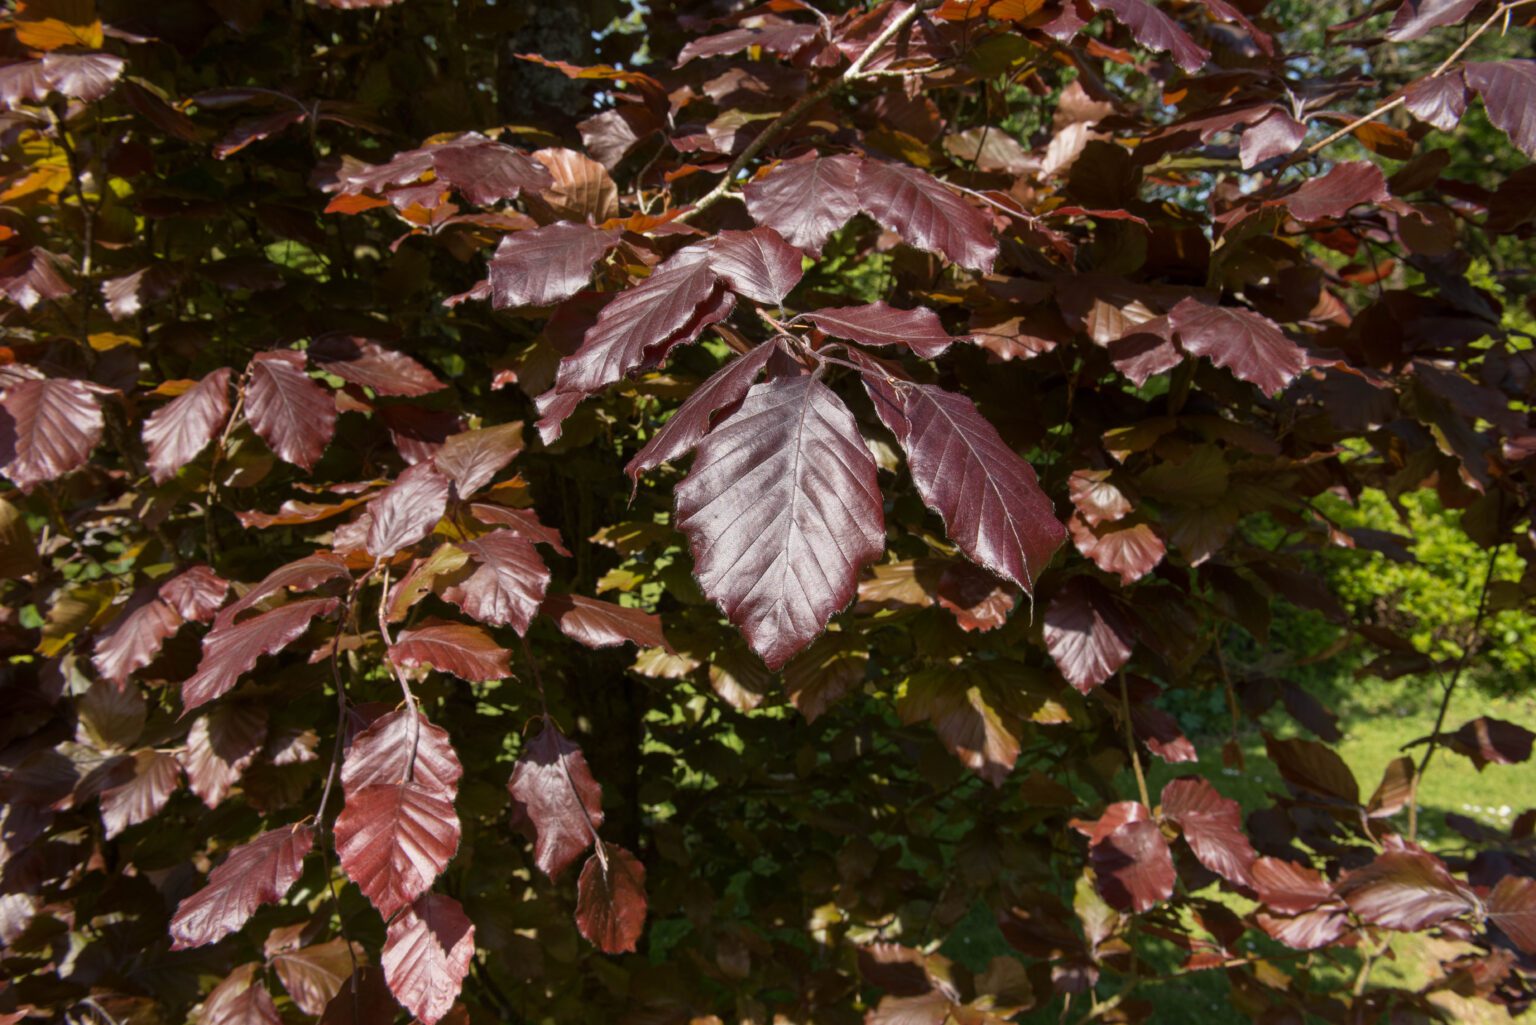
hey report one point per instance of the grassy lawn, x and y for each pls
(1377, 719)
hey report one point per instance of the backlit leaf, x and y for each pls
(1133, 866)
(1505, 87)
(610, 900)
(1405, 888)
(1156, 31)
(394, 839)
(390, 751)
(427, 952)
(555, 801)
(1086, 633)
(220, 746)
(1212, 826)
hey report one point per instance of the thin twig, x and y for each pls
(776, 127)
(1450, 689)
(405, 685)
(1130, 742)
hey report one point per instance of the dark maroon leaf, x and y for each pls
(370, 1001)
(1505, 87)
(1512, 907)
(782, 511)
(783, 38)
(1156, 31)
(240, 999)
(364, 362)
(806, 200)
(467, 652)
(1416, 17)
(965, 715)
(134, 637)
(417, 432)
(1439, 100)
(555, 801)
(471, 460)
(757, 264)
(175, 433)
(195, 593)
(507, 585)
(879, 324)
(220, 746)
(156, 776)
(389, 751)
(427, 952)
(1246, 343)
(407, 510)
(988, 497)
(301, 575)
(1313, 767)
(602, 624)
(1335, 193)
(394, 839)
(522, 522)
(292, 414)
(1487, 740)
(1405, 888)
(1308, 931)
(1212, 826)
(487, 172)
(1086, 633)
(256, 873)
(48, 427)
(229, 652)
(254, 129)
(32, 276)
(1133, 866)
(924, 212)
(313, 975)
(819, 676)
(546, 265)
(611, 135)
(1276, 134)
(610, 900)
(691, 422)
(1287, 887)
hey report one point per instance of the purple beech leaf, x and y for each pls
(195, 593)
(291, 413)
(300, 575)
(1440, 100)
(1486, 741)
(1087, 635)
(1212, 826)
(602, 624)
(364, 362)
(1128, 550)
(472, 459)
(363, 1000)
(487, 172)
(156, 776)
(1287, 887)
(507, 585)
(988, 497)
(610, 900)
(783, 39)
(256, 873)
(467, 652)
(254, 129)
(220, 746)
(241, 999)
(546, 265)
(806, 200)
(964, 715)
(82, 76)
(1333, 195)
(522, 522)
(175, 433)
(1417, 17)
(427, 951)
(1405, 888)
(880, 324)
(230, 652)
(1512, 907)
(1156, 31)
(1311, 930)
(1133, 866)
(924, 212)
(822, 674)
(33, 275)
(48, 427)
(1506, 88)
(382, 754)
(394, 839)
(678, 436)
(1313, 767)
(1276, 134)
(782, 510)
(555, 801)
(313, 975)
(1244, 342)
(407, 510)
(757, 264)
(134, 638)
